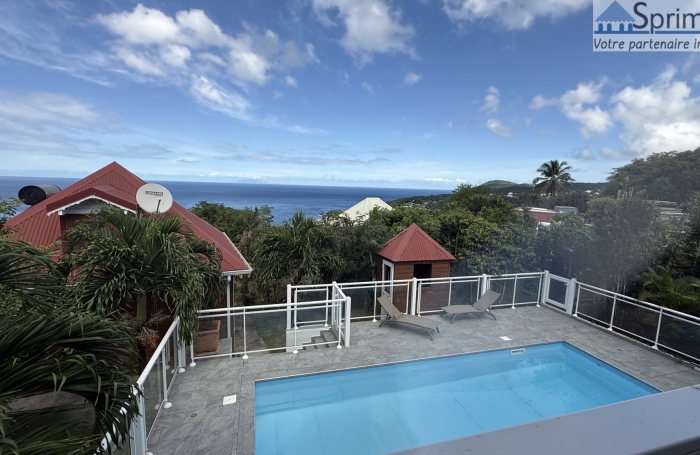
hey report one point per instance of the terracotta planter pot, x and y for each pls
(206, 342)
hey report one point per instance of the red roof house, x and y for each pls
(414, 254)
(43, 223)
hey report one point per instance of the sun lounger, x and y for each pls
(481, 306)
(394, 315)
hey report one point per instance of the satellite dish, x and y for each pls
(154, 198)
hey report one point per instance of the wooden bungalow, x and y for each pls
(414, 254)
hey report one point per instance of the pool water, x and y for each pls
(384, 409)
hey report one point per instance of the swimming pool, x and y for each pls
(384, 409)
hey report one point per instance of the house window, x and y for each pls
(421, 271)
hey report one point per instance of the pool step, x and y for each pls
(326, 336)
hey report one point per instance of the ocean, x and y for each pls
(283, 199)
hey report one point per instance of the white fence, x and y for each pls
(153, 386)
(651, 324)
(280, 327)
(426, 296)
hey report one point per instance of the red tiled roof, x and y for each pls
(117, 185)
(414, 245)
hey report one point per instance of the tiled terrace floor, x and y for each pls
(198, 423)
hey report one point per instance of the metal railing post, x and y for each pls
(193, 363)
(138, 428)
(658, 329)
(612, 314)
(578, 300)
(570, 293)
(414, 295)
(449, 292)
(166, 403)
(348, 314)
(289, 307)
(374, 304)
(325, 322)
(545, 288)
(515, 288)
(245, 341)
(540, 288)
(228, 306)
(181, 354)
(484, 284)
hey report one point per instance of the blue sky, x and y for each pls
(417, 93)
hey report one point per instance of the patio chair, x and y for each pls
(481, 306)
(394, 315)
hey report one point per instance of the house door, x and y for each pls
(388, 278)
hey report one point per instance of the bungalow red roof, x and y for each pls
(43, 223)
(414, 245)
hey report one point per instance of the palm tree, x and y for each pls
(301, 250)
(682, 294)
(115, 258)
(555, 176)
(82, 354)
(47, 348)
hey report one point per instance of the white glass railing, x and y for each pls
(283, 327)
(152, 388)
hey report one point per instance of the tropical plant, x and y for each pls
(553, 180)
(301, 250)
(682, 294)
(8, 209)
(115, 258)
(83, 356)
(27, 276)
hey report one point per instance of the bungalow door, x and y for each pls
(388, 278)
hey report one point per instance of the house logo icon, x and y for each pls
(615, 20)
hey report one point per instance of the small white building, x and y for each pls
(361, 210)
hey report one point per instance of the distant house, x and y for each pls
(565, 209)
(543, 216)
(45, 222)
(362, 209)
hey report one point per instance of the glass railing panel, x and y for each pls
(595, 305)
(505, 287)
(527, 290)
(434, 295)
(363, 301)
(317, 316)
(680, 335)
(153, 396)
(267, 331)
(464, 293)
(557, 291)
(212, 336)
(636, 319)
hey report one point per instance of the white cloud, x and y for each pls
(50, 124)
(149, 39)
(492, 102)
(539, 102)
(216, 98)
(577, 104)
(498, 128)
(290, 81)
(367, 87)
(437, 179)
(449, 125)
(412, 78)
(277, 94)
(659, 117)
(512, 14)
(371, 27)
(584, 154)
